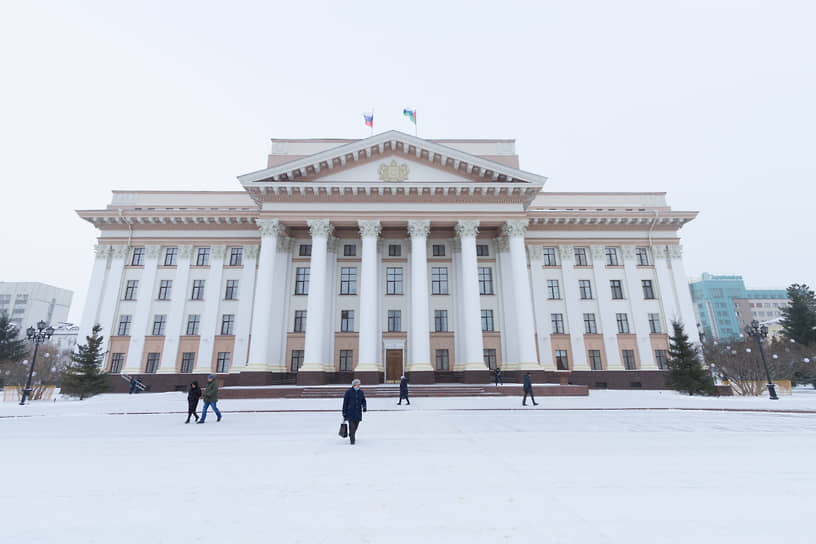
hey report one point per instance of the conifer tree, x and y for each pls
(686, 371)
(12, 348)
(799, 316)
(84, 376)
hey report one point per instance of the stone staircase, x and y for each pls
(392, 391)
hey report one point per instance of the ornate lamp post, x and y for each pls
(760, 333)
(38, 336)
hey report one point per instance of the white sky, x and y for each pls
(711, 101)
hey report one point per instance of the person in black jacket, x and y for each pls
(193, 394)
(497, 373)
(403, 391)
(354, 404)
(528, 390)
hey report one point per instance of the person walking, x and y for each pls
(354, 404)
(403, 391)
(132, 386)
(528, 390)
(193, 394)
(497, 373)
(210, 398)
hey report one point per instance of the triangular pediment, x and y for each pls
(394, 168)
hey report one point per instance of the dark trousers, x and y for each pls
(499, 379)
(191, 410)
(353, 429)
(404, 396)
(532, 398)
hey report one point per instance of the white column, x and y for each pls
(211, 320)
(575, 319)
(525, 323)
(419, 337)
(316, 305)
(542, 317)
(681, 287)
(471, 321)
(113, 286)
(608, 320)
(175, 321)
(330, 307)
(368, 339)
(640, 318)
(141, 320)
(260, 353)
(246, 293)
(94, 296)
(665, 286)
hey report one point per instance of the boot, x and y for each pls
(188, 420)
(199, 422)
(219, 419)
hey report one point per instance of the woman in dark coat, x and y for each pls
(354, 404)
(404, 391)
(528, 390)
(193, 394)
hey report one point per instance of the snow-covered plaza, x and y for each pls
(614, 467)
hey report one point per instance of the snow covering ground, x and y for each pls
(615, 467)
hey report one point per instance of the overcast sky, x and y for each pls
(710, 101)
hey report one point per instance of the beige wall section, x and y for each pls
(492, 340)
(153, 344)
(118, 344)
(187, 344)
(628, 341)
(595, 341)
(445, 340)
(345, 340)
(222, 343)
(294, 340)
(659, 341)
(561, 341)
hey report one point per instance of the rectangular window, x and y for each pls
(302, 280)
(642, 256)
(159, 322)
(439, 280)
(557, 321)
(348, 280)
(595, 359)
(346, 360)
(117, 360)
(648, 289)
(203, 256)
(629, 359)
(131, 288)
(549, 256)
(590, 325)
(482, 250)
(487, 321)
(300, 321)
(165, 286)
(611, 256)
(585, 289)
(347, 320)
(442, 360)
(228, 324)
(236, 256)
(561, 360)
(152, 363)
(393, 278)
(138, 256)
(223, 362)
(654, 324)
(485, 280)
(394, 250)
(580, 256)
(440, 320)
(187, 362)
(231, 292)
(438, 250)
(623, 323)
(297, 360)
(124, 325)
(661, 359)
(490, 358)
(198, 290)
(193, 321)
(394, 320)
(170, 255)
(305, 250)
(617, 289)
(553, 290)
(349, 250)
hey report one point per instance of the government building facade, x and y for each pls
(390, 255)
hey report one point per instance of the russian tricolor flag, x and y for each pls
(369, 119)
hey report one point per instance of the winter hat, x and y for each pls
(210, 376)
(355, 382)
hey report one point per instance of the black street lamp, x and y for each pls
(760, 333)
(38, 336)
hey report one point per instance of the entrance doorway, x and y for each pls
(393, 365)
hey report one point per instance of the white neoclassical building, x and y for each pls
(391, 255)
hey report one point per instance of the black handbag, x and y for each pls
(343, 430)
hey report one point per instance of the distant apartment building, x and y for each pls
(763, 305)
(26, 303)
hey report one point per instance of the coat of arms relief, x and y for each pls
(393, 171)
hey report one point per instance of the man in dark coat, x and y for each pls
(210, 398)
(528, 390)
(193, 394)
(497, 373)
(404, 391)
(354, 404)
(132, 386)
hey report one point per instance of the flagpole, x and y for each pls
(372, 121)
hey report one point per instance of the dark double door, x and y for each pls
(393, 365)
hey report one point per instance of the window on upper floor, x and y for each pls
(349, 250)
(440, 321)
(170, 255)
(549, 256)
(617, 289)
(203, 256)
(557, 321)
(394, 250)
(231, 292)
(580, 256)
(236, 256)
(439, 280)
(648, 289)
(485, 280)
(300, 321)
(482, 250)
(438, 250)
(553, 290)
(302, 280)
(642, 256)
(131, 287)
(138, 256)
(348, 280)
(585, 289)
(393, 280)
(347, 321)
(487, 321)
(305, 250)
(611, 256)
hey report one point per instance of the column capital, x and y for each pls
(419, 228)
(467, 227)
(628, 252)
(218, 251)
(660, 252)
(369, 227)
(153, 251)
(675, 251)
(121, 251)
(251, 252)
(269, 227)
(502, 243)
(566, 252)
(285, 243)
(102, 251)
(536, 253)
(515, 227)
(320, 227)
(332, 244)
(185, 251)
(597, 253)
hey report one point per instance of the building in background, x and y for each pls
(763, 305)
(26, 303)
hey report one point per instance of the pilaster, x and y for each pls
(419, 351)
(368, 340)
